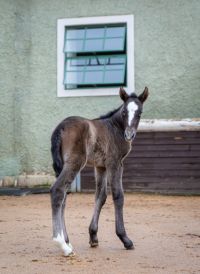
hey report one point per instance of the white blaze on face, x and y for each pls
(132, 108)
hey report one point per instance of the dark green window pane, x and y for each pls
(114, 67)
(114, 44)
(100, 60)
(94, 68)
(94, 77)
(115, 32)
(114, 77)
(74, 46)
(95, 33)
(74, 78)
(117, 60)
(75, 34)
(77, 62)
(75, 65)
(93, 45)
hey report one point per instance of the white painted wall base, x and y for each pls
(23, 181)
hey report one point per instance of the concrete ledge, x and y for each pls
(8, 181)
(27, 181)
(169, 125)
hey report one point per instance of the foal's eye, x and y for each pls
(123, 113)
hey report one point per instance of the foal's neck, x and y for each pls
(117, 123)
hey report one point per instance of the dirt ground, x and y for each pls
(165, 230)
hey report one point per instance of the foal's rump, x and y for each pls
(69, 142)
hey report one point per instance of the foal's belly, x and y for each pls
(96, 159)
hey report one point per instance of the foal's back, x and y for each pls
(80, 140)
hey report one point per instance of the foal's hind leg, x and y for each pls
(100, 199)
(58, 196)
(63, 219)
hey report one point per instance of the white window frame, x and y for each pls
(63, 23)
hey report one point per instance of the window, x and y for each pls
(95, 55)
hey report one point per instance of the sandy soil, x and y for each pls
(165, 230)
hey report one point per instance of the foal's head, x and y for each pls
(131, 111)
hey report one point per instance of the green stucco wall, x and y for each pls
(167, 60)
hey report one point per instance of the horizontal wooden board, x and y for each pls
(157, 180)
(165, 154)
(165, 185)
(162, 174)
(170, 147)
(160, 166)
(168, 134)
(165, 141)
(164, 162)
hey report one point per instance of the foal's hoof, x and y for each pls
(66, 247)
(129, 245)
(71, 254)
(94, 243)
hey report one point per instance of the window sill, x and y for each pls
(88, 92)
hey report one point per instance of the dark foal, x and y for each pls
(103, 143)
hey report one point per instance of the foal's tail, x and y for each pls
(56, 151)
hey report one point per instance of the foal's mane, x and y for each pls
(110, 113)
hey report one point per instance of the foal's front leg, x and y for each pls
(100, 199)
(118, 198)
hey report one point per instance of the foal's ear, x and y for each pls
(123, 95)
(143, 96)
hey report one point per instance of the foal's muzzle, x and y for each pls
(129, 134)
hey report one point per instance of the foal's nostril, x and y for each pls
(129, 134)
